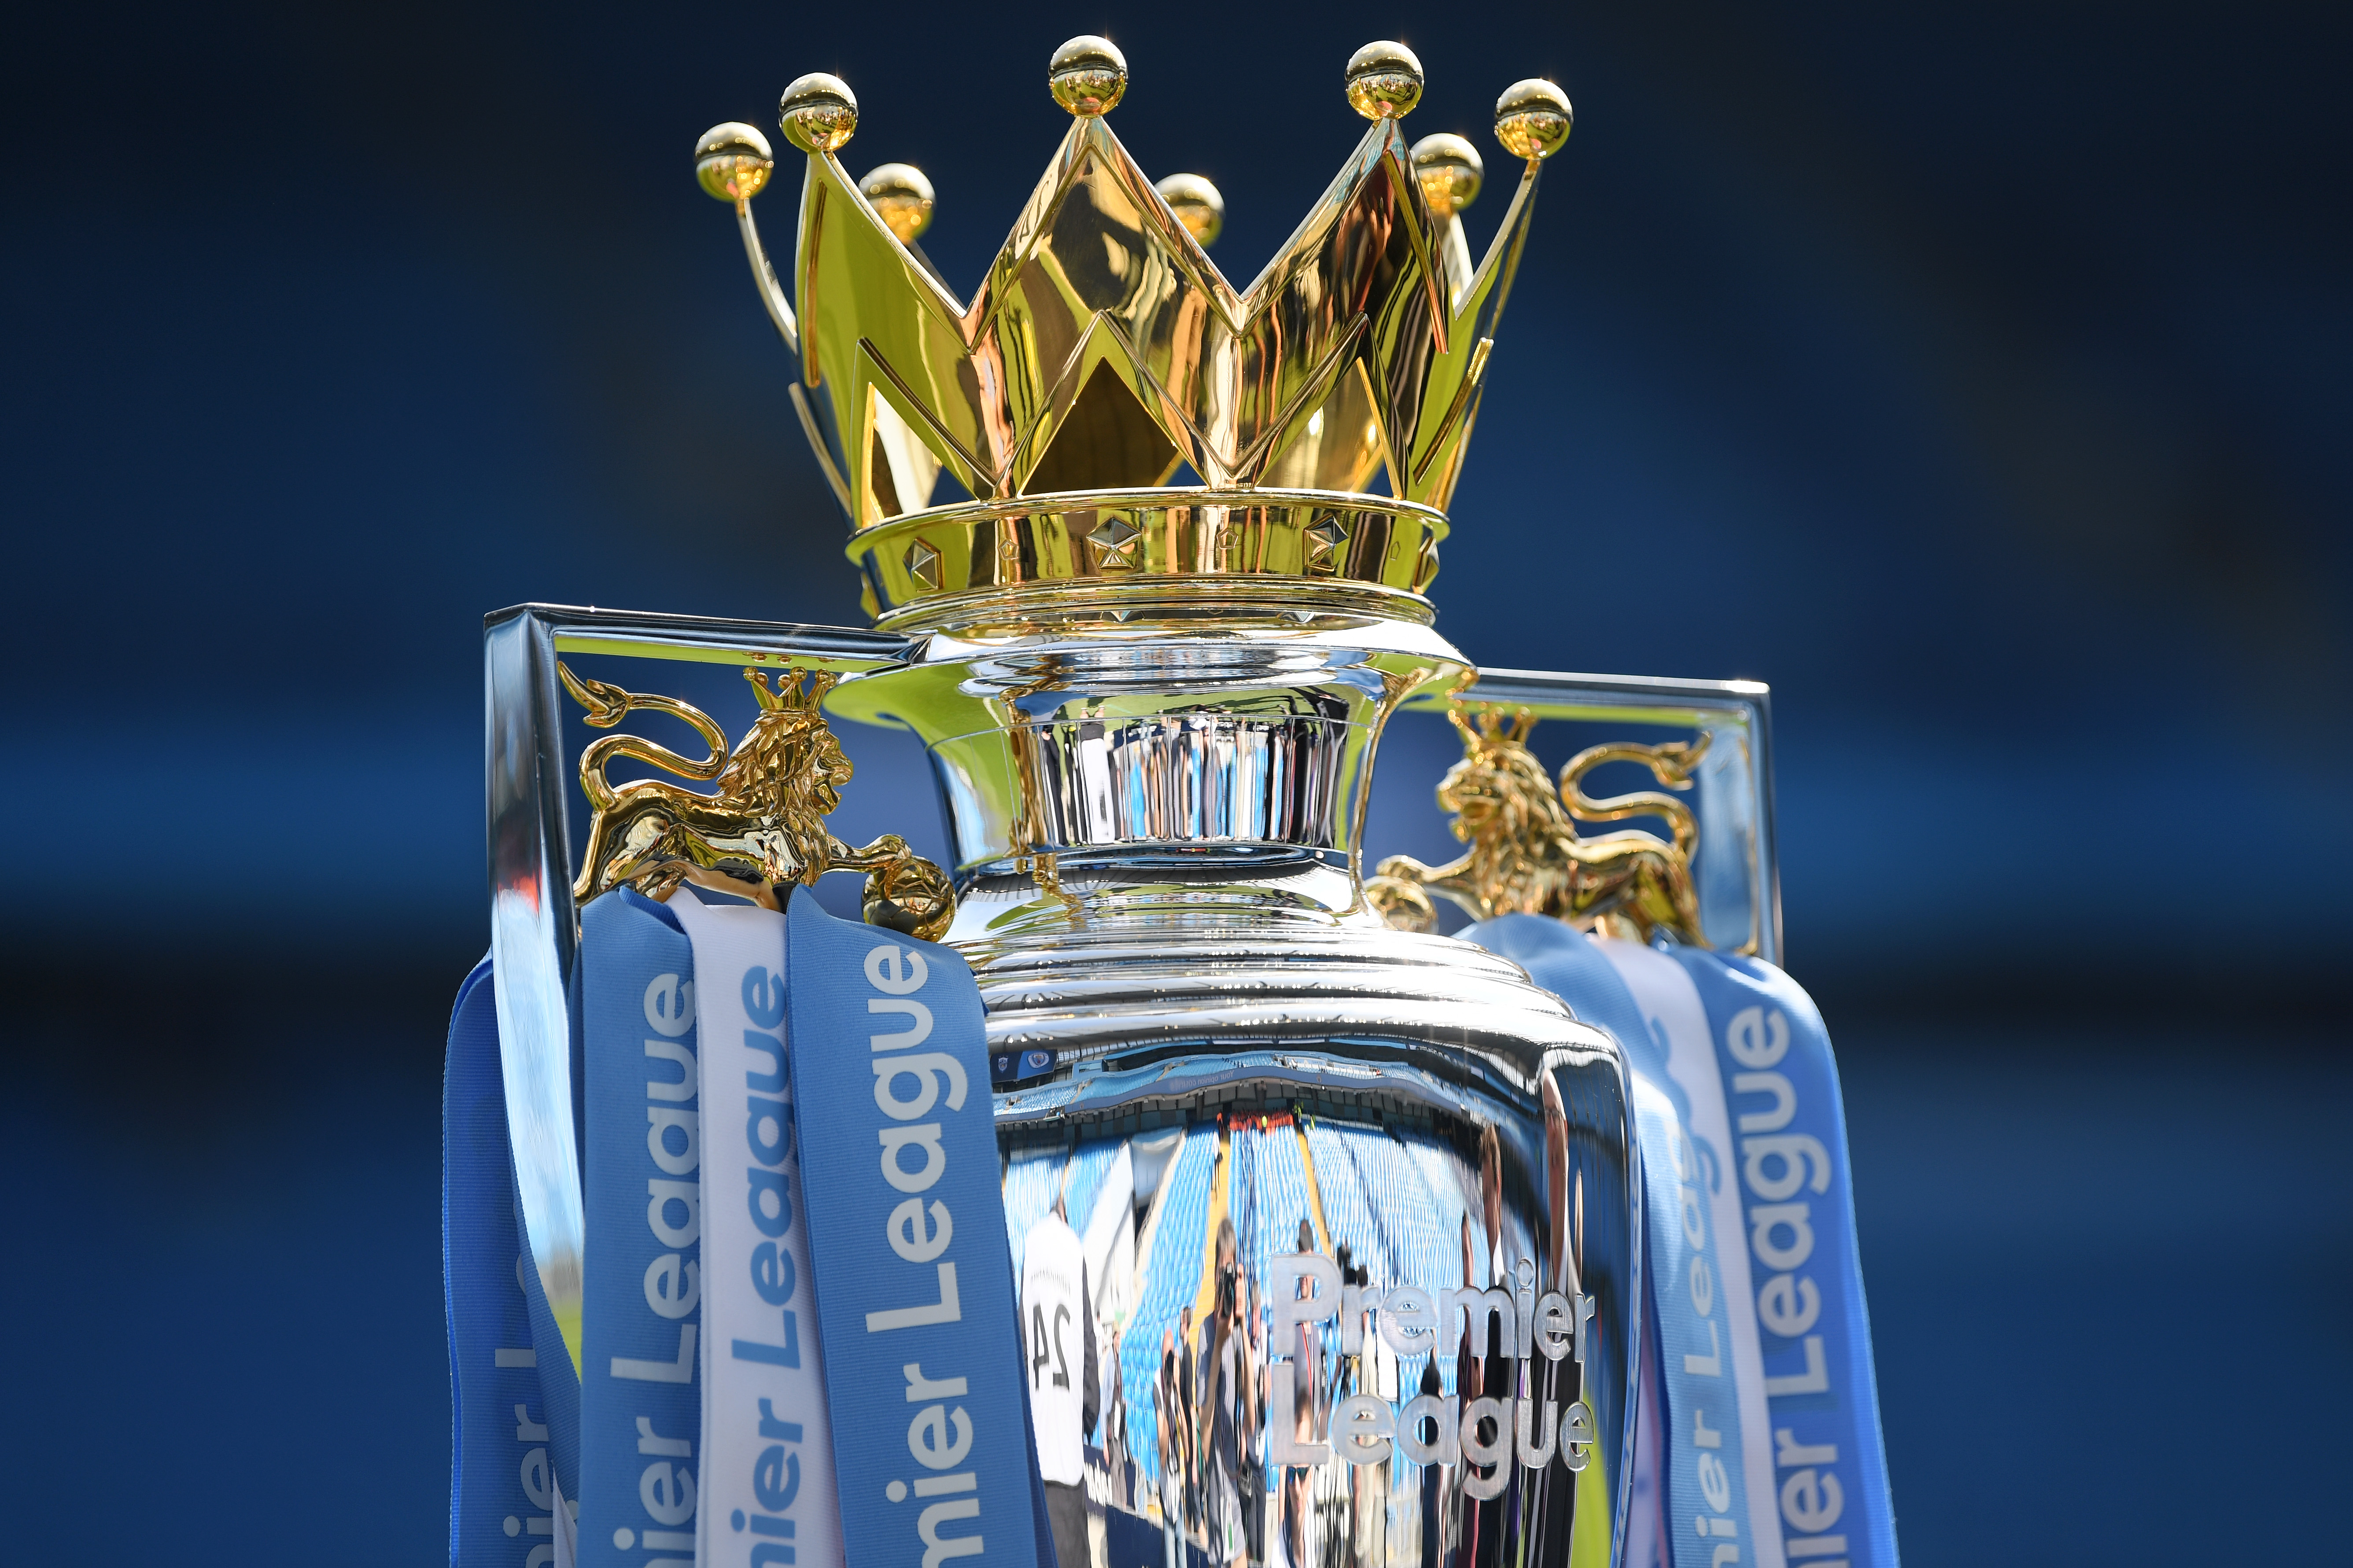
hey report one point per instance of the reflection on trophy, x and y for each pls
(1329, 1231)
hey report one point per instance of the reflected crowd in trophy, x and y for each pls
(1181, 1227)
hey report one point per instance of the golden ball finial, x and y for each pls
(1532, 118)
(901, 197)
(1384, 80)
(1450, 171)
(1197, 206)
(732, 161)
(819, 112)
(1088, 75)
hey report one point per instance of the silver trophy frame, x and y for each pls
(529, 781)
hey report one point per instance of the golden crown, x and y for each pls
(1106, 352)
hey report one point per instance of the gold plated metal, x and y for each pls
(1197, 206)
(902, 197)
(761, 828)
(733, 161)
(922, 565)
(1526, 856)
(1450, 172)
(1088, 75)
(818, 113)
(1533, 119)
(1384, 80)
(1103, 350)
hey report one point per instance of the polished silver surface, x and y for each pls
(1175, 756)
(1142, 984)
(1407, 1114)
(532, 940)
(1159, 818)
(1192, 778)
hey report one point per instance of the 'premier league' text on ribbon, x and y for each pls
(770, 1141)
(940, 1435)
(913, 1278)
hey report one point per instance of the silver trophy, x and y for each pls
(1356, 1200)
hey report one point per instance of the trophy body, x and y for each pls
(1230, 1077)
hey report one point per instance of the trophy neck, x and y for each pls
(1158, 755)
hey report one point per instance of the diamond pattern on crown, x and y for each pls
(1104, 348)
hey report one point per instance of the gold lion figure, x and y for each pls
(763, 827)
(1525, 856)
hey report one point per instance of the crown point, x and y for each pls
(733, 162)
(819, 112)
(1197, 206)
(1088, 75)
(902, 197)
(1532, 118)
(1384, 80)
(1450, 171)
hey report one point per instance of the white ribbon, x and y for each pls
(757, 1482)
(1671, 1003)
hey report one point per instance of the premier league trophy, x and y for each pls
(1152, 1186)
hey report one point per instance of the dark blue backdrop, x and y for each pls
(1975, 374)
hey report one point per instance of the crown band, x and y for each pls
(925, 560)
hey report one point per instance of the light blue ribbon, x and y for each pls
(641, 1395)
(1702, 1476)
(906, 1224)
(1788, 1119)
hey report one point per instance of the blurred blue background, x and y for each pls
(1977, 375)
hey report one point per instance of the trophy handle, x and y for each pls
(1715, 884)
(535, 917)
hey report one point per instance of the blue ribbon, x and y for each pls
(641, 1399)
(1830, 1463)
(1702, 1445)
(906, 1224)
(503, 1459)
